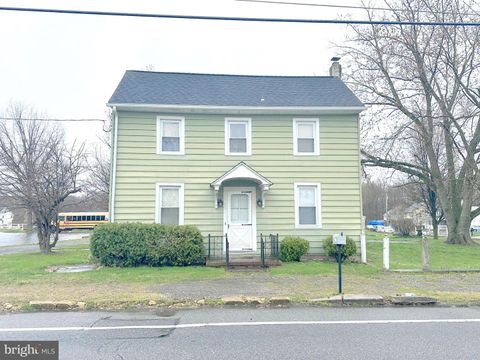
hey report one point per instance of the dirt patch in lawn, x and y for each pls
(101, 293)
(461, 286)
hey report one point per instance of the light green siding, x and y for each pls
(139, 168)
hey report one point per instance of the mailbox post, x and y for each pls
(340, 240)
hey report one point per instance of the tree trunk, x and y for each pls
(425, 254)
(435, 229)
(29, 220)
(458, 232)
(459, 220)
(57, 231)
(43, 242)
(43, 235)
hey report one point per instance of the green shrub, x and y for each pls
(134, 244)
(331, 249)
(292, 248)
(181, 246)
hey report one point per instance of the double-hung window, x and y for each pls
(170, 135)
(307, 205)
(238, 136)
(305, 137)
(169, 204)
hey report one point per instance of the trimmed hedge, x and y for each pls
(292, 248)
(135, 244)
(330, 248)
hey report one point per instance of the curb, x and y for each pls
(412, 300)
(344, 300)
(257, 301)
(351, 300)
(57, 305)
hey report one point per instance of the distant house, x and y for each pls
(476, 221)
(237, 155)
(6, 218)
(415, 212)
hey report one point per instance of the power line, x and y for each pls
(241, 19)
(356, 7)
(52, 120)
(353, 7)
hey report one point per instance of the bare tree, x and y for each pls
(98, 181)
(98, 178)
(38, 171)
(422, 191)
(420, 82)
(379, 197)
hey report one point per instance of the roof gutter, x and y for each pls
(207, 109)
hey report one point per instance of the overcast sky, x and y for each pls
(69, 65)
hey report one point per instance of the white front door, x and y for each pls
(240, 218)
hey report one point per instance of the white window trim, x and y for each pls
(316, 139)
(318, 205)
(158, 201)
(180, 119)
(248, 134)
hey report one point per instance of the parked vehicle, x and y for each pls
(376, 225)
(388, 229)
(81, 220)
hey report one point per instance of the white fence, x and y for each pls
(13, 226)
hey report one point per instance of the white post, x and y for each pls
(363, 248)
(386, 253)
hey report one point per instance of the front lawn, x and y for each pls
(23, 276)
(11, 230)
(30, 268)
(406, 253)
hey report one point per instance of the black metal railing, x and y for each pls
(227, 252)
(218, 248)
(269, 247)
(215, 247)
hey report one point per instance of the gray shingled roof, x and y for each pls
(145, 87)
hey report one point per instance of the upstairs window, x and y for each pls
(307, 205)
(170, 135)
(238, 137)
(170, 204)
(305, 137)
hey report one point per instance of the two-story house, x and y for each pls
(237, 155)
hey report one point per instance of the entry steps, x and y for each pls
(244, 261)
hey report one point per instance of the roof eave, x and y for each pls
(239, 109)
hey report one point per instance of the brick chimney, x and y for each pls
(336, 68)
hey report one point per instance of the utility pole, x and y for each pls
(386, 201)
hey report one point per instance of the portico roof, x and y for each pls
(242, 171)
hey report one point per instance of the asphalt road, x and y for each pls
(30, 238)
(294, 333)
(26, 243)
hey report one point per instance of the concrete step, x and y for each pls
(244, 262)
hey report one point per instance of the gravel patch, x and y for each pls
(266, 285)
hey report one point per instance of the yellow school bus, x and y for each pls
(81, 220)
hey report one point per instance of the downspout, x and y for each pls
(113, 176)
(363, 239)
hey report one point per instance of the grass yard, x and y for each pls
(11, 231)
(406, 253)
(23, 269)
(23, 276)
(324, 268)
